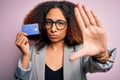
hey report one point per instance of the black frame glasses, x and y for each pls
(60, 24)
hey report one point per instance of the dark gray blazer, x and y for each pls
(75, 70)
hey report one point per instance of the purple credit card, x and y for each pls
(31, 29)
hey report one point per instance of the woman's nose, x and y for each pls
(53, 29)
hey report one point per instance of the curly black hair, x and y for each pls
(38, 14)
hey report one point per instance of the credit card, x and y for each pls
(31, 29)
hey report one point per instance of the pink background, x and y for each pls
(12, 13)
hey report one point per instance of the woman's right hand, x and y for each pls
(23, 44)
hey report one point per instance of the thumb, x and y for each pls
(77, 55)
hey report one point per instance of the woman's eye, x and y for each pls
(61, 23)
(48, 22)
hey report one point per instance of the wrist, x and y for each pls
(103, 57)
(25, 55)
(25, 61)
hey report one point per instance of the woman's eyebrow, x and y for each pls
(56, 20)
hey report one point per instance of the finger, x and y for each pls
(79, 19)
(98, 23)
(25, 41)
(20, 34)
(21, 40)
(84, 16)
(89, 15)
(77, 55)
(25, 34)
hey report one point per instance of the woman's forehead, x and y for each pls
(55, 13)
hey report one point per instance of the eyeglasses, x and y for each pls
(60, 24)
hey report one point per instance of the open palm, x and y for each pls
(94, 36)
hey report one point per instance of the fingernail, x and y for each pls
(70, 60)
(79, 5)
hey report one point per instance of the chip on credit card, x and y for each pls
(31, 29)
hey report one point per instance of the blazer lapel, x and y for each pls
(67, 52)
(71, 69)
(40, 63)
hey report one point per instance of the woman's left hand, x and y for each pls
(94, 36)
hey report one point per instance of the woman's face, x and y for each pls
(56, 25)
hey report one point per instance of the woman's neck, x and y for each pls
(56, 46)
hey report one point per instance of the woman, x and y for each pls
(72, 42)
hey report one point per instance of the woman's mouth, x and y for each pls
(53, 36)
